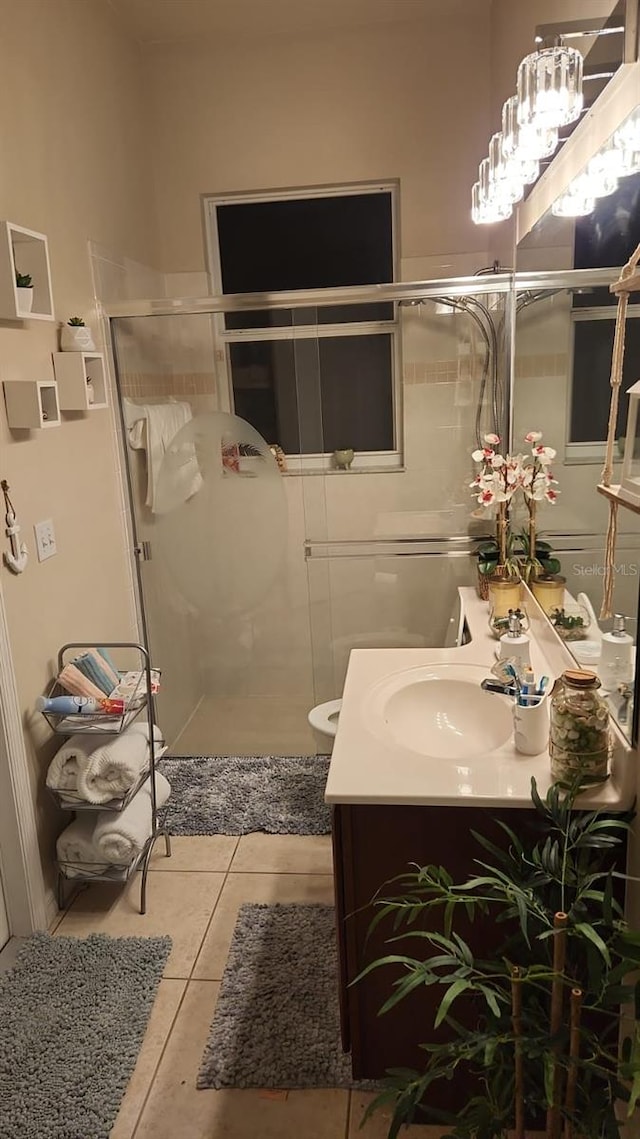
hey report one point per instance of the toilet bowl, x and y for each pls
(324, 721)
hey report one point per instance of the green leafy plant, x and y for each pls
(550, 895)
(24, 280)
(519, 562)
(76, 322)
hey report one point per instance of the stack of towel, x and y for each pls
(97, 770)
(95, 842)
(92, 674)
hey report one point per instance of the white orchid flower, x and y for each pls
(533, 437)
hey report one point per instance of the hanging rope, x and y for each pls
(617, 364)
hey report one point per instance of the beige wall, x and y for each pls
(345, 105)
(74, 142)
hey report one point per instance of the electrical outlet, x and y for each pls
(45, 540)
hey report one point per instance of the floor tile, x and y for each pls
(166, 1005)
(241, 888)
(195, 852)
(377, 1127)
(178, 904)
(176, 1108)
(283, 854)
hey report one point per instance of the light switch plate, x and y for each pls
(45, 540)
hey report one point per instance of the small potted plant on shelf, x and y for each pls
(76, 337)
(24, 291)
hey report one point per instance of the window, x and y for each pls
(593, 331)
(311, 380)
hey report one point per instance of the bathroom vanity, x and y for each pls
(423, 757)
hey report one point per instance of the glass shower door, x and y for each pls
(219, 528)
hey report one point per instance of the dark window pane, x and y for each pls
(305, 243)
(608, 236)
(591, 393)
(315, 396)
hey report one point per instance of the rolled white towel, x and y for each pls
(114, 767)
(69, 761)
(120, 836)
(76, 848)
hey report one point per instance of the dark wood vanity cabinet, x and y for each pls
(372, 844)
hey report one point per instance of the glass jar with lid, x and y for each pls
(579, 735)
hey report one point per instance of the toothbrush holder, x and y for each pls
(531, 726)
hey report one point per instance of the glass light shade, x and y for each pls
(601, 175)
(525, 143)
(626, 142)
(549, 88)
(484, 212)
(630, 481)
(504, 178)
(573, 204)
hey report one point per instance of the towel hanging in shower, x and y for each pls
(152, 428)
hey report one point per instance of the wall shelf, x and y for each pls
(32, 403)
(73, 370)
(614, 494)
(25, 251)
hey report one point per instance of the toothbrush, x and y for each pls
(544, 681)
(528, 686)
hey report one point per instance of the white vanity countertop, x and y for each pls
(367, 768)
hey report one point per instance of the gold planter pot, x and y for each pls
(548, 590)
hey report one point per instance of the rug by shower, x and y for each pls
(240, 794)
(277, 1020)
(73, 1013)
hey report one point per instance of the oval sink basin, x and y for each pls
(440, 712)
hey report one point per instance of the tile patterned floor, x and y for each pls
(194, 897)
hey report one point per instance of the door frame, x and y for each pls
(20, 866)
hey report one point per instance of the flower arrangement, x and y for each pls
(500, 479)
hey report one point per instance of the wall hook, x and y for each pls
(17, 556)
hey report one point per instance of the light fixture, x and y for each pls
(601, 175)
(525, 143)
(549, 87)
(626, 142)
(505, 180)
(573, 204)
(486, 207)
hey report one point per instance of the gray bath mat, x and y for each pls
(277, 1022)
(279, 794)
(73, 1013)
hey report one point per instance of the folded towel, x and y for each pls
(95, 668)
(153, 427)
(75, 682)
(114, 767)
(76, 845)
(69, 761)
(120, 836)
(109, 660)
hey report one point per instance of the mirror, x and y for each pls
(563, 333)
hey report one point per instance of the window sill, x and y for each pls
(353, 471)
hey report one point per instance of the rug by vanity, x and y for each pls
(73, 1013)
(239, 794)
(277, 1021)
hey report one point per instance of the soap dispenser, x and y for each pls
(616, 660)
(514, 644)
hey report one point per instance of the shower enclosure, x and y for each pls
(259, 573)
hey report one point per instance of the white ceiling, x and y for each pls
(173, 21)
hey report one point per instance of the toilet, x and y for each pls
(324, 721)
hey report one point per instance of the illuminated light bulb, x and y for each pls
(601, 175)
(549, 88)
(505, 180)
(525, 143)
(486, 211)
(573, 205)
